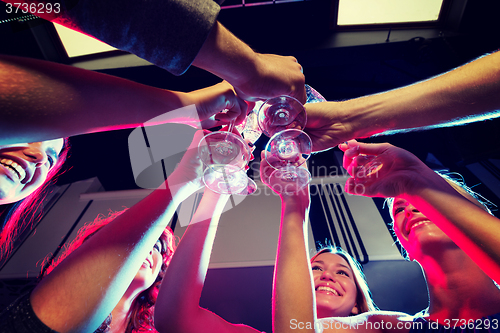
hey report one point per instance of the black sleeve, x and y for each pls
(20, 318)
(167, 33)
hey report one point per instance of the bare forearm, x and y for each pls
(177, 308)
(40, 100)
(253, 75)
(473, 229)
(85, 287)
(224, 55)
(293, 297)
(466, 93)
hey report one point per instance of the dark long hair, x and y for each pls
(19, 215)
(140, 316)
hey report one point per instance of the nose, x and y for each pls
(36, 154)
(326, 275)
(410, 210)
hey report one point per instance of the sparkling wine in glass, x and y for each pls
(281, 113)
(286, 151)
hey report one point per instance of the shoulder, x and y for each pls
(19, 317)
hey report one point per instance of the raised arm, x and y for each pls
(466, 94)
(85, 287)
(40, 100)
(177, 308)
(293, 296)
(175, 33)
(396, 172)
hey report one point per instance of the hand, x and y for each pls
(300, 199)
(327, 125)
(212, 100)
(273, 75)
(248, 142)
(381, 170)
(189, 172)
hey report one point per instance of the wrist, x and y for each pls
(364, 116)
(295, 205)
(425, 179)
(181, 190)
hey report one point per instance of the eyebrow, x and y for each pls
(322, 262)
(399, 202)
(53, 152)
(349, 268)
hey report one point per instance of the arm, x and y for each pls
(177, 307)
(252, 74)
(168, 34)
(85, 287)
(293, 296)
(184, 32)
(402, 174)
(467, 94)
(40, 100)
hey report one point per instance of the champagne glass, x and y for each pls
(226, 155)
(281, 113)
(219, 149)
(249, 128)
(286, 151)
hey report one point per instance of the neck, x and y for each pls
(120, 313)
(458, 288)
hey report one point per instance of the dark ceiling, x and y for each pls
(338, 72)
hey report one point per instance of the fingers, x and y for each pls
(366, 148)
(348, 144)
(235, 110)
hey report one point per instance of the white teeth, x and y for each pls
(14, 166)
(419, 223)
(331, 290)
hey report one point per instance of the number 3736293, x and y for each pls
(33, 8)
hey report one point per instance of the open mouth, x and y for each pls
(416, 223)
(14, 167)
(147, 263)
(327, 289)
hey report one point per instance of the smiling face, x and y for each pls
(24, 167)
(415, 231)
(335, 286)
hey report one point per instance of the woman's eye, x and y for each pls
(316, 268)
(51, 161)
(157, 247)
(398, 210)
(343, 273)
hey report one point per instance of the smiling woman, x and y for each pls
(135, 309)
(336, 273)
(113, 267)
(447, 231)
(26, 172)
